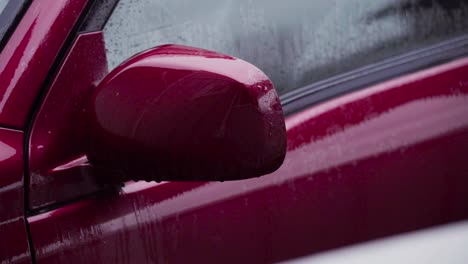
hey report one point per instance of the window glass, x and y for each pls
(9, 16)
(3, 4)
(294, 42)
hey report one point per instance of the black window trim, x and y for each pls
(314, 93)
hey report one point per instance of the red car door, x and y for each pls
(383, 160)
(372, 152)
(29, 44)
(14, 245)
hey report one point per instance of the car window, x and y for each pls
(10, 11)
(3, 3)
(294, 42)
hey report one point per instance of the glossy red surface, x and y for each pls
(376, 162)
(182, 113)
(14, 246)
(27, 58)
(58, 168)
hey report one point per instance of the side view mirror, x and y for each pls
(182, 113)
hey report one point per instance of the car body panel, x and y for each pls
(14, 243)
(383, 160)
(58, 171)
(27, 58)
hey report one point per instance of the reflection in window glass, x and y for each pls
(3, 4)
(294, 42)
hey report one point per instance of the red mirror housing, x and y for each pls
(182, 113)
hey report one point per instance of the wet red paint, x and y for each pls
(384, 160)
(25, 62)
(58, 171)
(26, 59)
(14, 246)
(181, 113)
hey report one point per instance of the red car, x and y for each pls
(107, 157)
